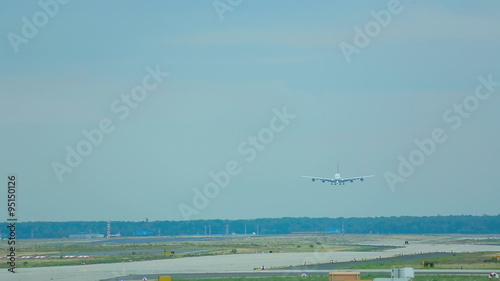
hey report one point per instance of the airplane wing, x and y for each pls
(356, 178)
(319, 179)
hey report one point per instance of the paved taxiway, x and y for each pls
(220, 264)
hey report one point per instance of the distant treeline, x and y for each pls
(378, 225)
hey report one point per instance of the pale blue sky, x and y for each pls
(225, 78)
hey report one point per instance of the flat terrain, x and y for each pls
(312, 250)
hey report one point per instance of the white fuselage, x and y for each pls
(337, 179)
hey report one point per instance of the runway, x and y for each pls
(239, 264)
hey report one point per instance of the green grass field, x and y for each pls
(479, 260)
(236, 245)
(226, 246)
(366, 276)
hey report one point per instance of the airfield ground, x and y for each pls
(253, 252)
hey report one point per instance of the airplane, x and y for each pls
(337, 179)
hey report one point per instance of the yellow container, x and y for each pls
(344, 276)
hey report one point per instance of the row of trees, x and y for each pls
(378, 225)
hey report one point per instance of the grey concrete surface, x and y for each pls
(219, 264)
